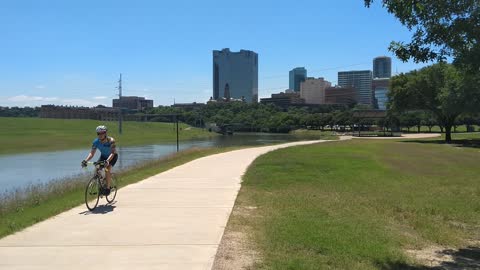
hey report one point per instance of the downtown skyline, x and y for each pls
(72, 54)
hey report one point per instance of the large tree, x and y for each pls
(441, 28)
(440, 88)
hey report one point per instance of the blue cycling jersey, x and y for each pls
(106, 148)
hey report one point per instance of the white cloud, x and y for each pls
(24, 98)
(32, 101)
(40, 87)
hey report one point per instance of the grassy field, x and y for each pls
(462, 128)
(470, 140)
(314, 134)
(22, 135)
(359, 204)
(27, 207)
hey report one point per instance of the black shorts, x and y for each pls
(112, 162)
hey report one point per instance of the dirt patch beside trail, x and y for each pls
(236, 252)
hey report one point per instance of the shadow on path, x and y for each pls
(101, 209)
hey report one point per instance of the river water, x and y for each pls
(22, 170)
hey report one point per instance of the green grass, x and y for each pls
(314, 134)
(461, 128)
(21, 135)
(471, 140)
(464, 136)
(27, 207)
(358, 204)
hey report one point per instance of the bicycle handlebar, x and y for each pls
(99, 164)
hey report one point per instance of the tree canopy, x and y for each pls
(441, 89)
(441, 29)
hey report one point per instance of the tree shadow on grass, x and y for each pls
(471, 143)
(465, 258)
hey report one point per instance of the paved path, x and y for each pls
(173, 220)
(404, 136)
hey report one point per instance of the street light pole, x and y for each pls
(120, 103)
(176, 118)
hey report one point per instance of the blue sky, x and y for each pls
(72, 52)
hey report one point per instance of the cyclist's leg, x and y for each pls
(109, 172)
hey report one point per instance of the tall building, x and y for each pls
(296, 77)
(361, 80)
(313, 90)
(382, 67)
(236, 72)
(380, 89)
(382, 71)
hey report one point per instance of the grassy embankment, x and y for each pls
(359, 204)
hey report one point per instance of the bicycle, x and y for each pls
(98, 183)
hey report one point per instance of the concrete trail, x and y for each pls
(173, 220)
(404, 136)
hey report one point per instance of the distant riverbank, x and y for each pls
(26, 135)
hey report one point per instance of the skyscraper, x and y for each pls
(296, 77)
(382, 67)
(361, 80)
(382, 71)
(238, 70)
(380, 90)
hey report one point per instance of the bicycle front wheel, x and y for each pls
(113, 189)
(92, 194)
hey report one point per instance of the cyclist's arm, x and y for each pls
(91, 154)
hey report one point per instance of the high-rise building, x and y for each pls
(380, 89)
(382, 71)
(313, 90)
(238, 70)
(296, 77)
(382, 67)
(361, 80)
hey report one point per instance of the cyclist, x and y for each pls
(108, 152)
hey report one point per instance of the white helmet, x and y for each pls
(101, 129)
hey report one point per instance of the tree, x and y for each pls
(19, 112)
(429, 120)
(439, 88)
(441, 28)
(468, 120)
(409, 120)
(417, 120)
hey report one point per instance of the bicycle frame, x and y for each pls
(99, 166)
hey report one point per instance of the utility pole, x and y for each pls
(120, 102)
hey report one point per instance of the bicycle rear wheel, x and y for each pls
(92, 194)
(113, 189)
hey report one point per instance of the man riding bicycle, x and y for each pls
(108, 152)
